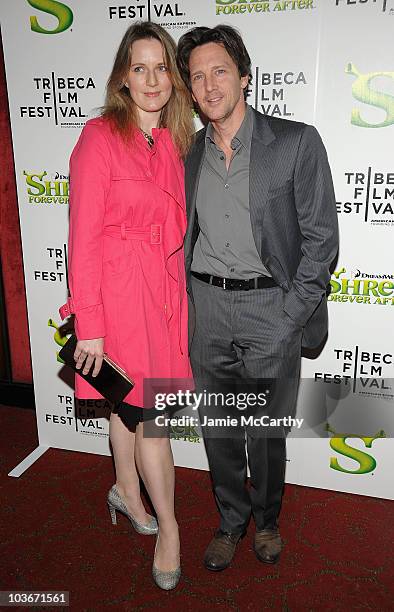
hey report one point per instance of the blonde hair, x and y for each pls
(119, 108)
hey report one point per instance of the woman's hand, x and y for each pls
(89, 351)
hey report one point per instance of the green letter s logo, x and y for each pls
(366, 462)
(59, 10)
(336, 285)
(362, 91)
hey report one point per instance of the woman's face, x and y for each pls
(148, 80)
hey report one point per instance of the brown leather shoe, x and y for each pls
(268, 545)
(220, 551)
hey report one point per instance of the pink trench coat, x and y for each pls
(126, 262)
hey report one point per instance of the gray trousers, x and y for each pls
(241, 339)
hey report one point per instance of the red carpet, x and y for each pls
(56, 534)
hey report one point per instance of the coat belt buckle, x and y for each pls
(155, 234)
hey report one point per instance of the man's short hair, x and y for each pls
(221, 34)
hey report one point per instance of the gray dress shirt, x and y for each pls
(225, 246)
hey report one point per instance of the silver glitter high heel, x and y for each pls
(116, 503)
(165, 580)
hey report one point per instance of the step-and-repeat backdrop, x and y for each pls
(325, 62)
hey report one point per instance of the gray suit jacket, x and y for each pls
(292, 212)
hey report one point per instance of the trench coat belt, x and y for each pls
(151, 233)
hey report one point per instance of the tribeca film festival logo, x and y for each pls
(84, 416)
(269, 90)
(364, 92)
(44, 188)
(364, 372)
(56, 268)
(382, 5)
(58, 10)
(171, 15)
(362, 288)
(239, 7)
(59, 100)
(339, 443)
(370, 196)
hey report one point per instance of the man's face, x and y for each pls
(216, 85)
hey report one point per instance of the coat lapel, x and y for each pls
(262, 163)
(193, 167)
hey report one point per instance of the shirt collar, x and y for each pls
(242, 137)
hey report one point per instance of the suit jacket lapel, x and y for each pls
(193, 167)
(262, 164)
(193, 171)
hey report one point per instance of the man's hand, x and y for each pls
(89, 351)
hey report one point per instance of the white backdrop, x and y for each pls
(325, 62)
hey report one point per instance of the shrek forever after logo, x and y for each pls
(360, 288)
(251, 7)
(58, 10)
(365, 463)
(46, 188)
(365, 91)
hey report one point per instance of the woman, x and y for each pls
(126, 268)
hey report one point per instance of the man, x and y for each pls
(262, 234)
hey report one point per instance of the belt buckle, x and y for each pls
(224, 284)
(238, 284)
(155, 234)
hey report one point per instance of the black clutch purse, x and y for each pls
(111, 382)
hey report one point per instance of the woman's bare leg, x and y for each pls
(156, 466)
(127, 480)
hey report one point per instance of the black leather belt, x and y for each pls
(235, 284)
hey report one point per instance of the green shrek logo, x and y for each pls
(339, 443)
(187, 433)
(363, 91)
(62, 12)
(375, 291)
(43, 191)
(58, 338)
(237, 7)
